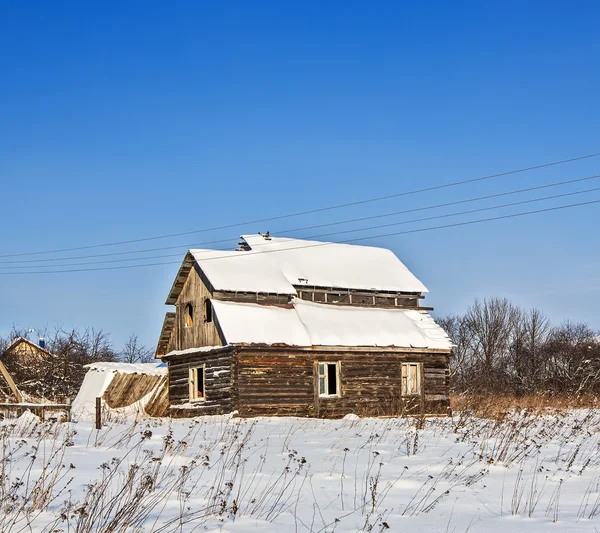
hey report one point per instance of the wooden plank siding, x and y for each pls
(194, 292)
(219, 381)
(126, 389)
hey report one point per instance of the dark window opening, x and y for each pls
(332, 379)
(208, 315)
(328, 379)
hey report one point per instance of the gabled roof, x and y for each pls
(312, 324)
(18, 340)
(278, 265)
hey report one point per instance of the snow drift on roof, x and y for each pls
(313, 324)
(155, 369)
(242, 271)
(276, 265)
(203, 349)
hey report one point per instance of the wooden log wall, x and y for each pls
(284, 383)
(219, 380)
(275, 384)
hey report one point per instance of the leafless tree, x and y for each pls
(527, 366)
(134, 352)
(459, 331)
(500, 348)
(491, 323)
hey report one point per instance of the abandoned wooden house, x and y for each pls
(302, 328)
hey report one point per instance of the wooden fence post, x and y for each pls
(98, 413)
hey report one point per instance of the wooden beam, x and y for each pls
(11, 383)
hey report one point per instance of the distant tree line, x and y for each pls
(61, 375)
(504, 349)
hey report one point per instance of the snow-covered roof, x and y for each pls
(312, 324)
(276, 265)
(242, 271)
(18, 340)
(156, 369)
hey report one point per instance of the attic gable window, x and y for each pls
(197, 383)
(411, 379)
(189, 316)
(208, 311)
(329, 379)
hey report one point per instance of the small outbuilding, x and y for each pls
(305, 328)
(128, 388)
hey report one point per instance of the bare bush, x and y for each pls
(502, 349)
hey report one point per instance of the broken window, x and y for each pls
(208, 316)
(197, 384)
(411, 379)
(329, 379)
(189, 316)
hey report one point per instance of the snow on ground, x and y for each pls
(526, 473)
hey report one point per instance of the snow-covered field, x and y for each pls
(525, 473)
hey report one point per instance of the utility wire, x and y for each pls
(341, 232)
(358, 239)
(311, 211)
(288, 231)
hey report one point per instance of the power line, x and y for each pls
(357, 239)
(312, 211)
(460, 213)
(355, 230)
(285, 232)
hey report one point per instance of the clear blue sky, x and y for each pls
(121, 120)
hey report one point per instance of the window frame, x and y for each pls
(192, 378)
(405, 376)
(325, 375)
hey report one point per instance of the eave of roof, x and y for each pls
(182, 275)
(165, 334)
(199, 350)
